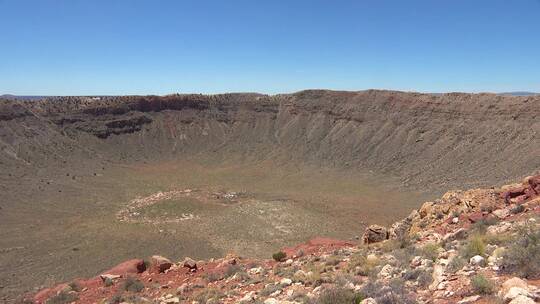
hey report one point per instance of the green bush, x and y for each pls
(64, 297)
(430, 251)
(482, 285)
(482, 225)
(209, 296)
(279, 256)
(75, 286)
(133, 285)
(523, 255)
(517, 209)
(475, 246)
(457, 263)
(393, 293)
(338, 295)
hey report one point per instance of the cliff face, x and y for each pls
(462, 139)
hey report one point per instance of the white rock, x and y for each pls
(255, 270)
(501, 213)
(285, 282)
(477, 260)
(271, 301)
(514, 292)
(368, 301)
(522, 300)
(455, 220)
(248, 297)
(470, 299)
(386, 272)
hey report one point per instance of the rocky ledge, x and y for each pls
(475, 246)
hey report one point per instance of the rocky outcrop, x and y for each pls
(375, 234)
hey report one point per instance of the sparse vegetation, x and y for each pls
(456, 264)
(279, 256)
(361, 265)
(132, 284)
(63, 297)
(474, 245)
(338, 295)
(209, 296)
(517, 209)
(523, 254)
(430, 251)
(482, 285)
(393, 293)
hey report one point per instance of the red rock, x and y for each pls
(45, 294)
(475, 217)
(128, 267)
(160, 264)
(190, 263)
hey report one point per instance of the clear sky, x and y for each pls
(93, 47)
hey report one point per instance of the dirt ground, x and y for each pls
(49, 236)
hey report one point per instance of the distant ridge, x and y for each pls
(9, 96)
(519, 93)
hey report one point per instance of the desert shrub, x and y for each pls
(482, 285)
(523, 255)
(430, 251)
(116, 299)
(75, 286)
(209, 296)
(517, 209)
(332, 261)
(269, 289)
(213, 276)
(393, 293)
(132, 284)
(313, 276)
(455, 264)
(338, 295)
(63, 297)
(394, 244)
(279, 256)
(108, 282)
(498, 239)
(232, 270)
(412, 274)
(475, 245)
(425, 278)
(481, 226)
(361, 265)
(284, 271)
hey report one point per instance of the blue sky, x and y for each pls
(75, 47)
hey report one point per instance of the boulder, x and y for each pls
(189, 263)
(368, 301)
(133, 266)
(161, 263)
(513, 282)
(374, 234)
(110, 277)
(477, 260)
(522, 300)
(515, 292)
